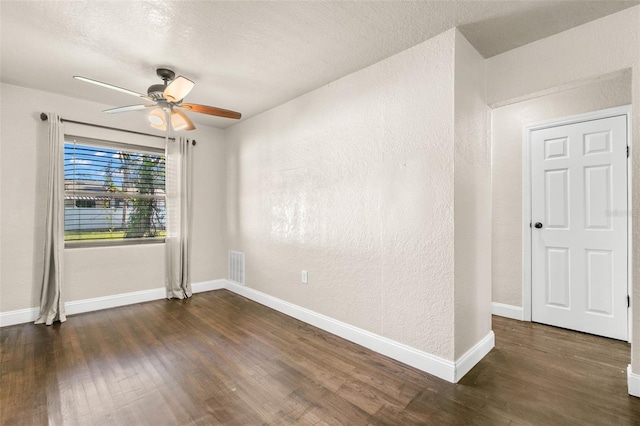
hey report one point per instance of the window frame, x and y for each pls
(111, 145)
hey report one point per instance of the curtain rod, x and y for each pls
(45, 117)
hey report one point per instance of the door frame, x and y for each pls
(527, 130)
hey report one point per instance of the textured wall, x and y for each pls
(91, 272)
(506, 131)
(354, 183)
(598, 48)
(472, 166)
(590, 50)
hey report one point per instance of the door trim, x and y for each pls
(526, 197)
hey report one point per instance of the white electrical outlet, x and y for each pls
(305, 277)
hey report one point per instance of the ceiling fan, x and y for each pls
(167, 101)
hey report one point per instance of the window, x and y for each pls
(113, 193)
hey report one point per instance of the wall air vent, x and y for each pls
(236, 266)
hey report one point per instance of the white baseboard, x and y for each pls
(508, 311)
(633, 382)
(113, 301)
(469, 359)
(22, 316)
(439, 367)
(208, 286)
(19, 316)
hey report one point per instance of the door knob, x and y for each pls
(538, 225)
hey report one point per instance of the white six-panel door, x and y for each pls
(579, 226)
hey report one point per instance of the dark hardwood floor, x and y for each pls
(218, 358)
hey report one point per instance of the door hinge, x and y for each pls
(627, 152)
(628, 301)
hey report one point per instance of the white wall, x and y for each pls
(586, 52)
(90, 272)
(506, 131)
(472, 219)
(354, 182)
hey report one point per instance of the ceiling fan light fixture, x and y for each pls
(178, 89)
(180, 121)
(156, 118)
(162, 126)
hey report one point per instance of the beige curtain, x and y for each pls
(178, 221)
(51, 302)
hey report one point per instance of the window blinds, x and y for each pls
(113, 191)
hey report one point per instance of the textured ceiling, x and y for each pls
(249, 56)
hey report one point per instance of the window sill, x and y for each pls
(113, 243)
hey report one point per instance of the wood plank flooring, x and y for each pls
(218, 358)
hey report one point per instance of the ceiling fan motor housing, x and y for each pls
(156, 91)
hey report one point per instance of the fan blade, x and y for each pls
(127, 108)
(178, 89)
(218, 112)
(180, 121)
(109, 86)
